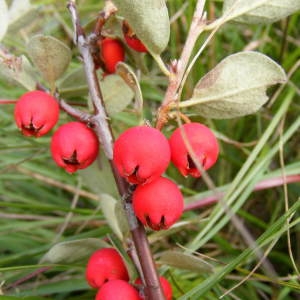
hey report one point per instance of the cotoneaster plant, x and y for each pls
(36, 113)
(139, 157)
(74, 146)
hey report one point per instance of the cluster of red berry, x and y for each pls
(73, 146)
(143, 153)
(106, 271)
(112, 50)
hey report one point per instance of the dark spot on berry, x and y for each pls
(72, 160)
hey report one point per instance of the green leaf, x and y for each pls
(149, 19)
(131, 80)
(236, 86)
(116, 93)
(21, 13)
(99, 178)
(3, 18)
(259, 11)
(74, 83)
(185, 261)
(72, 251)
(122, 219)
(19, 70)
(108, 205)
(50, 56)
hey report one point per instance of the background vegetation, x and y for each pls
(41, 205)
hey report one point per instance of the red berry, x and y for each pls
(134, 43)
(131, 39)
(36, 113)
(74, 146)
(202, 141)
(112, 52)
(117, 290)
(141, 154)
(158, 204)
(165, 284)
(105, 264)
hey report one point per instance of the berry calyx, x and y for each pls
(165, 284)
(202, 141)
(117, 290)
(158, 204)
(132, 40)
(105, 264)
(36, 113)
(74, 146)
(141, 154)
(112, 52)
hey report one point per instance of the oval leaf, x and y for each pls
(236, 86)
(259, 11)
(108, 206)
(3, 18)
(185, 261)
(50, 56)
(149, 19)
(116, 93)
(73, 251)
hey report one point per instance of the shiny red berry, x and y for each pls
(74, 146)
(131, 39)
(117, 290)
(112, 52)
(36, 113)
(202, 141)
(134, 43)
(105, 264)
(165, 284)
(158, 204)
(141, 154)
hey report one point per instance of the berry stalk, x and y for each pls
(104, 133)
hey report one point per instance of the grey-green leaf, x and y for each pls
(236, 86)
(131, 80)
(3, 18)
(21, 13)
(122, 219)
(99, 178)
(18, 70)
(185, 261)
(77, 251)
(116, 93)
(50, 56)
(74, 83)
(259, 11)
(108, 206)
(149, 19)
